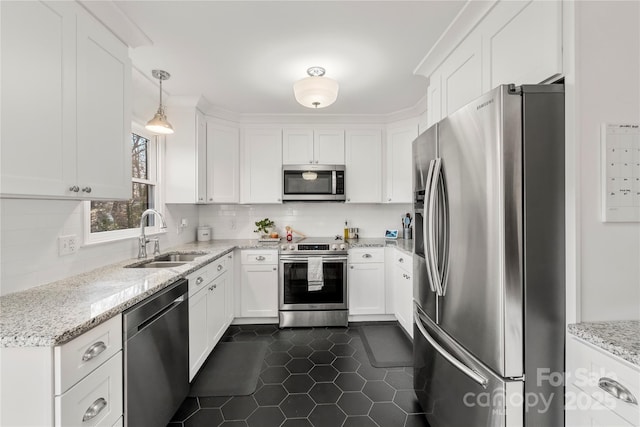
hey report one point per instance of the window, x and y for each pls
(112, 220)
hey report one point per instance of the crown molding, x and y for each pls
(112, 17)
(464, 22)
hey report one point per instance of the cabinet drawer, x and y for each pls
(366, 255)
(77, 358)
(199, 278)
(259, 257)
(591, 367)
(94, 401)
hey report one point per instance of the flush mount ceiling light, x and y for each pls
(159, 123)
(309, 175)
(316, 91)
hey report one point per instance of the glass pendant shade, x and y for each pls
(316, 91)
(159, 123)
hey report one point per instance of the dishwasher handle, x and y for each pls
(144, 313)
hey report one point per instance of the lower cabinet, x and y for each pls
(403, 290)
(365, 281)
(259, 283)
(601, 388)
(76, 383)
(208, 310)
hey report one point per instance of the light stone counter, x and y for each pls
(404, 245)
(57, 312)
(621, 338)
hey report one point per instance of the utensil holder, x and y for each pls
(407, 233)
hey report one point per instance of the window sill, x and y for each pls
(120, 235)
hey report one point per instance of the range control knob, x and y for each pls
(292, 247)
(343, 246)
(334, 247)
(283, 247)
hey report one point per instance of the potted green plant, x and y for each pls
(264, 227)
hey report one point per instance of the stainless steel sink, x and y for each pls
(178, 257)
(157, 264)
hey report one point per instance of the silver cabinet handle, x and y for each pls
(400, 259)
(260, 258)
(94, 351)
(201, 198)
(213, 287)
(389, 199)
(351, 267)
(95, 408)
(366, 255)
(86, 190)
(211, 199)
(229, 256)
(348, 200)
(279, 200)
(219, 267)
(199, 281)
(316, 161)
(74, 188)
(617, 390)
(455, 362)
(275, 268)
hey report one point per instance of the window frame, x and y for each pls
(154, 168)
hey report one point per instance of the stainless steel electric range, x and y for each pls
(313, 283)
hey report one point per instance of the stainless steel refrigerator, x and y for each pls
(489, 269)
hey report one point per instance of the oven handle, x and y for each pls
(305, 259)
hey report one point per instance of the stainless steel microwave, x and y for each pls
(313, 183)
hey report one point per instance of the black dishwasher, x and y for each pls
(156, 354)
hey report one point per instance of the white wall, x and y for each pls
(312, 219)
(29, 241)
(607, 87)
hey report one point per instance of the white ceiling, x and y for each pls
(244, 56)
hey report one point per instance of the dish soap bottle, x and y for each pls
(346, 230)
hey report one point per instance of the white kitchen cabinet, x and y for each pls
(223, 164)
(363, 158)
(588, 404)
(261, 170)
(259, 283)
(230, 293)
(461, 76)
(208, 288)
(313, 146)
(56, 61)
(202, 161)
(54, 386)
(399, 164)
(403, 290)
(366, 282)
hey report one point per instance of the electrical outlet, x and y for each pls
(67, 245)
(184, 223)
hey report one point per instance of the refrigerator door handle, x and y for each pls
(433, 254)
(451, 359)
(425, 227)
(442, 186)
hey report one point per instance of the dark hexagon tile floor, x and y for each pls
(311, 377)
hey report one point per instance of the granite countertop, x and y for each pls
(404, 245)
(620, 337)
(57, 312)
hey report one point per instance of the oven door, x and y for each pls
(294, 288)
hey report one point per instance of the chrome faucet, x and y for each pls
(142, 240)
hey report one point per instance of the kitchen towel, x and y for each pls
(315, 279)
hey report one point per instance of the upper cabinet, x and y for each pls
(202, 160)
(64, 71)
(515, 42)
(261, 166)
(307, 146)
(398, 163)
(363, 174)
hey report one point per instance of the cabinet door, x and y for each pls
(398, 162)
(198, 342)
(328, 147)
(461, 76)
(583, 411)
(403, 297)
(259, 291)
(230, 291)
(297, 146)
(366, 288)
(216, 315)
(103, 113)
(38, 98)
(363, 157)
(262, 166)
(223, 164)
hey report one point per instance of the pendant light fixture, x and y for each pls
(159, 124)
(316, 91)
